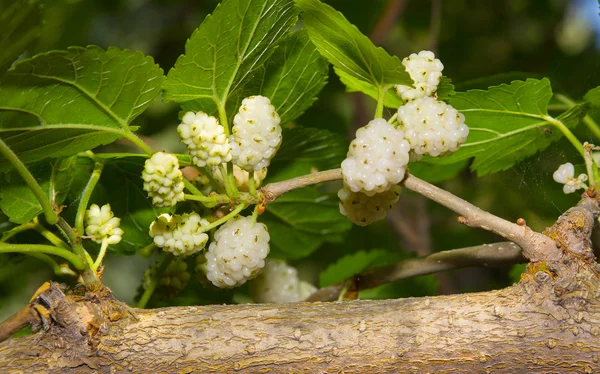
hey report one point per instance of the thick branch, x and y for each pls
(520, 329)
(496, 254)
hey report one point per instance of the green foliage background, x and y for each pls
(500, 41)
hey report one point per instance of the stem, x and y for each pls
(273, 190)
(67, 230)
(252, 184)
(380, 100)
(224, 174)
(567, 133)
(137, 141)
(15, 230)
(223, 118)
(199, 196)
(255, 214)
(231, 180)
(496, 254)
(162, 265)
(77, 262)
(226, 218)
(58, 270)
(393, 119)
(588, 120)
(589, 163)
(86, 194)
(29, 179)
(50, 236)
(101, 255)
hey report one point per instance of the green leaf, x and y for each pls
(355, 263)
(20, 204)
(445, 89)
(390, 100)
(302, 220)
(121, 186)
(21, 24)
(593, 96)
(348, 49)
(224, 52)
(292, 77)
(63, 102)
(507, 123)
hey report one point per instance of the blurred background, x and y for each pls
(480, 43)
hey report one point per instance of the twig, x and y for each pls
(496, 254)
(536, 246)
(273, 190)
(16, 322)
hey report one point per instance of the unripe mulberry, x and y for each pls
(101, 224)
(163, 180)
(432, 127)
(205, 139)
(278, 283)
(179, 234)
(256, 134)
(364, 210)
(376, 159)
(237, 253)
(426, 72)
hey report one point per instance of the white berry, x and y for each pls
(101, 224)
(376, 159)
(364, 210)
(256, 134)
(179, 234)
(426, 72)
(565, 175)
(278, 283)
(205, 139)
(237, 253)
(163, 180)
(432, 127)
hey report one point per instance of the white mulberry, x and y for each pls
(256, 134)
(101, 224)
(179, 234)
(426, 72)
(364, 210)
(205, 139)
(173, 279)
(565, 174)
(163, 180)
(376, 159)
(432, 127)
(278, 283)
(237, 253)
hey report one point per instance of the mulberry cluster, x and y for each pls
(163, 180)
(237, 253)
(377, 158)
(565, 174)
(205, 139)
(173, 279)
(256, 134)
(101, 224)
(182, 235)
(426, 72)
(363, 210)
(432, 127)
(278, 283)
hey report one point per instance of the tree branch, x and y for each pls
(536, 246)
(496, 254)
(273, 190)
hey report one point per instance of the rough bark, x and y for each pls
(548, 322)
